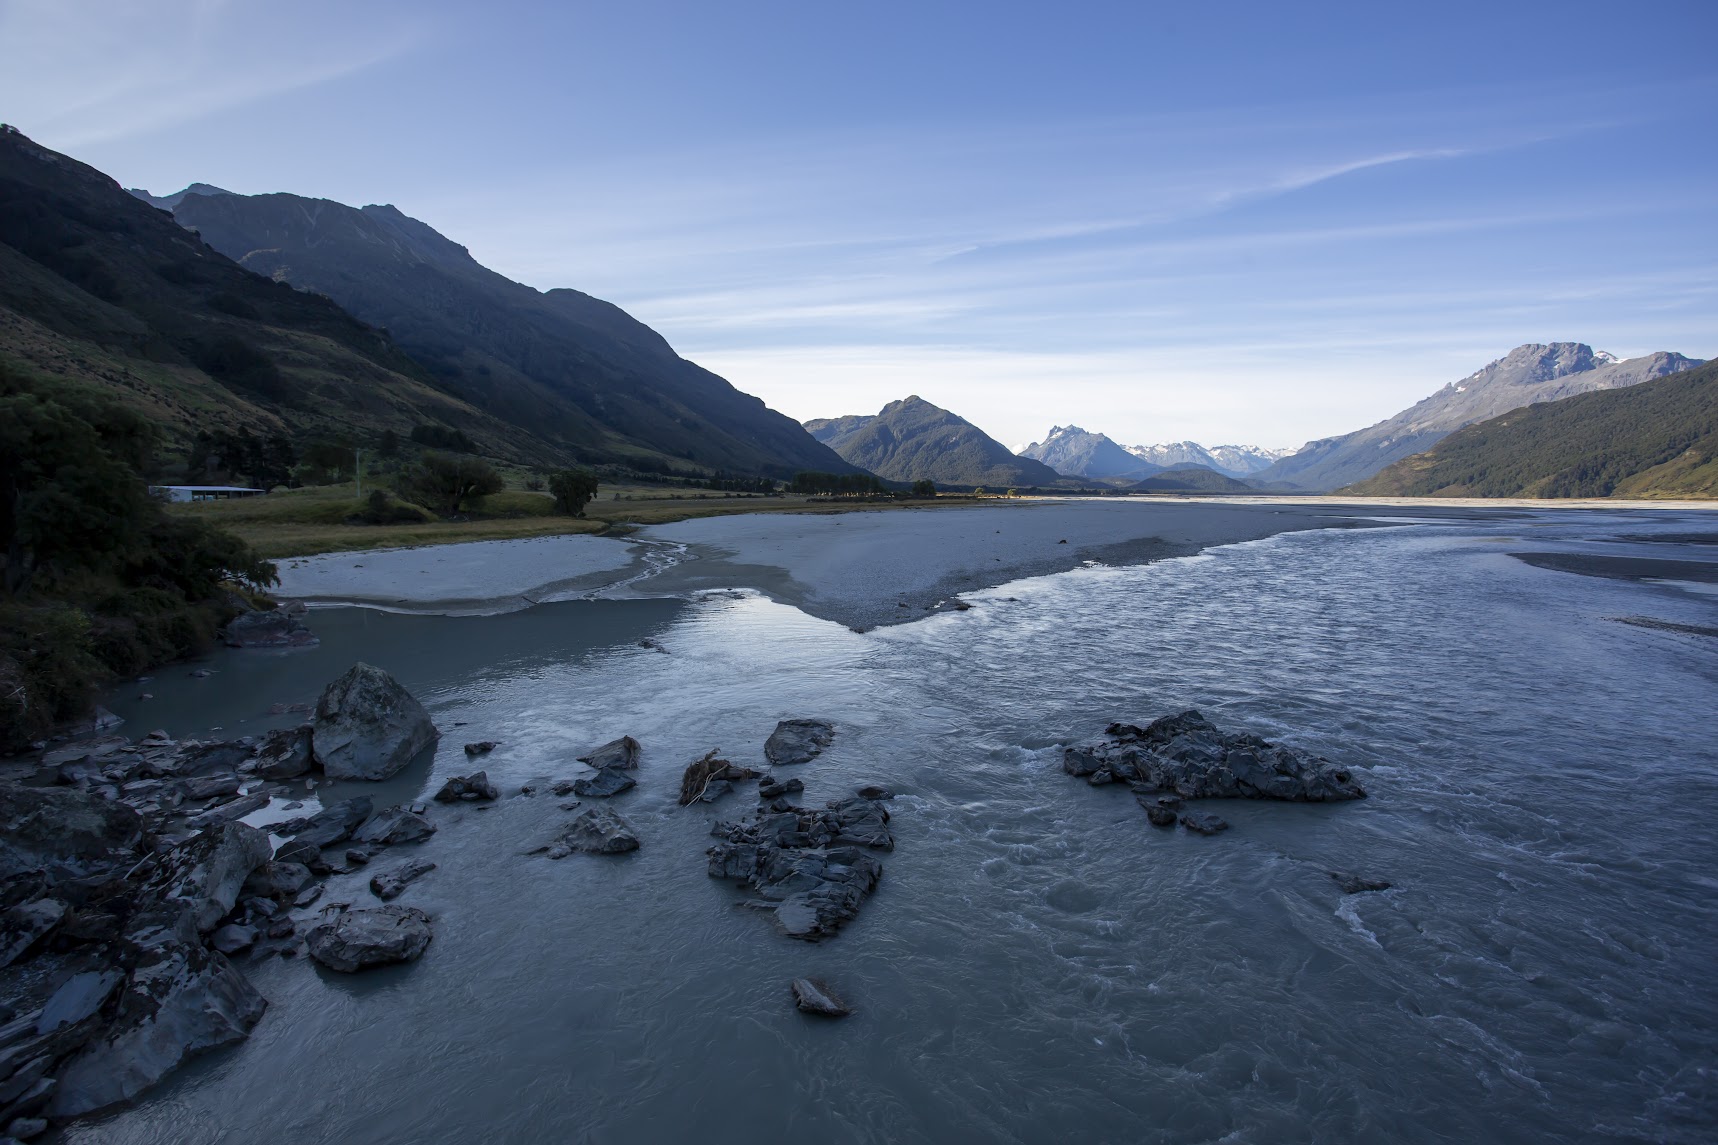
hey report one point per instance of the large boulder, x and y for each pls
(66, 832)
(597, 831)
(621, 753)
(368, 726)
(179, 999)
(355, 939)
(467, 788)
(798, 741)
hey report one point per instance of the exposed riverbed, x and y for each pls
(1039, 964)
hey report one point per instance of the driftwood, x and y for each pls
(700, 774)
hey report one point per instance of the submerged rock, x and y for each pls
(814, 996)
(482, 747)
(608, 781)
(467, 788)
(376, 936)
(368, 726)
(1357, 884)
(392, 883)
(621, 753)
(596, 831)
(1203, 822)
(798, 741)
(772, 788)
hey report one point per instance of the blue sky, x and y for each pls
(1230, 222)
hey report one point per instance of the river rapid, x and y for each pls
(1040, 964)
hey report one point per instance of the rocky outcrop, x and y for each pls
(798, 741)
(467, 788)
(65, 832)
(809, 868)
(207, 871)
(179, 998)
(281, 627)
(596, 831)
(814, 996)
(368, 726)
(1188, 756)
(377, 936)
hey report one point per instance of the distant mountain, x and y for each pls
(1654, 439)
(1233, 460)
(579, 375)
(1192, 479)
(911, 440)
(1525, 376)
(1074, 452)
(168, 202)
(105, 290)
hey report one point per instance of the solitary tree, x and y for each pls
(573, 490)
(444, 483)
(924, 487)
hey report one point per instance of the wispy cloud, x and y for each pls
(93, 71)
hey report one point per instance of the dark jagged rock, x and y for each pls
(468, 788)
(207, 871)
(391, 884)
(285, 754)
(1186, 755)
(482, 747)
(798, 741)
(233, 937)
(395, 825)
(1203, 822)
(1160, 816)
(368, 726)
(230, 811)
(274, 628)
(179, 999)
(596, 831)
(709, 778)
(23, 925)
(814, 996)
(277, 880)
(808, 867)
(335, 823)
(299, 853)
(872, 791)
(607, 781)
(201, 787)
(376, 936)
(64, 832)
(1357, 884)
(772, 788)
(621, 753)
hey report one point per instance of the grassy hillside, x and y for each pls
(101, 288)
(1658, 439)
(1192, 479)
(912, 439)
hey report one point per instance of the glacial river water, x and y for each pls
(1039, 963)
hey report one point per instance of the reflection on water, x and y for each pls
(1039, 964)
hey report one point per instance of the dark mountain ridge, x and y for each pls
(912, 440)
(577, 373)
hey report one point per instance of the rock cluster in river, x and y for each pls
(1185, 756)
(127, 880)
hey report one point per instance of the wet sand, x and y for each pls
(1624, 568)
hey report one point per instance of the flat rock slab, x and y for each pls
(814, 996)
(395, 825)
(606, 782)
(391, 884)
(621, 753)
(798, 741)
(596, 831)
(354, 940)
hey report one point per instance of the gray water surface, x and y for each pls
(1040, 964)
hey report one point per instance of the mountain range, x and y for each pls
(913, 440)
(1527, 375)
(1656, 438)
(577, 374)
(101, 289)
(1075, 452)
